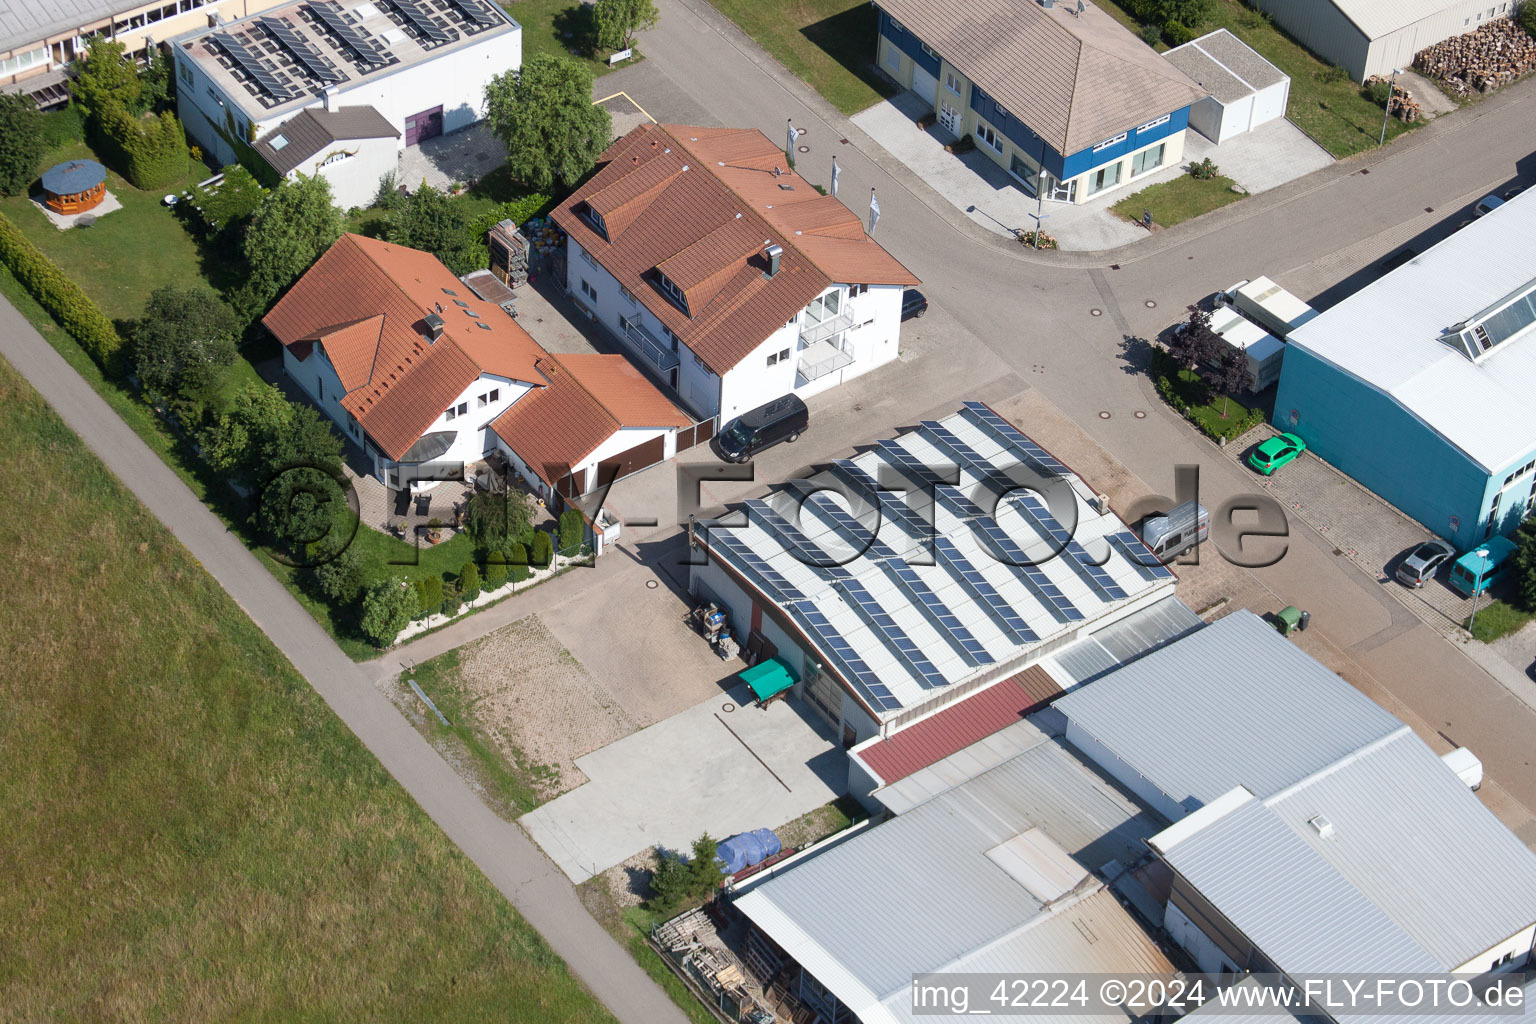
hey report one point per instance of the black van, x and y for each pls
(783, 419)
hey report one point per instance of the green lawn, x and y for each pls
(1172, 202)
(126, 254)
(1334, 113)
(1218, 416)
(1497, 619)
(557, 27)
(829, 43)
(192, 834)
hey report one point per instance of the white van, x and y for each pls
(1182, 528)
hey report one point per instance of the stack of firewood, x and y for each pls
(1496, 54)
(1402, 105)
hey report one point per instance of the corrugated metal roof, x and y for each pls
(1289, 902)
(1386, 335)
(918, 893)
(960, 725)
(960, 767)
(1377, 18)
(31, 21)
(1261, 712)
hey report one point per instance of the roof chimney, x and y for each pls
(434, 327)
(332, 95)
(773, 252)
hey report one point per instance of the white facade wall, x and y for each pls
(474, 436)
(752, 382)
(318, 378)
(1517, 947)
(354, 168)
(455, 81)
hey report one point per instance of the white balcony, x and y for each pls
(812, 332)
(820, 359)
(650, 346)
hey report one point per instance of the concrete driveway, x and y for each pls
(720, 767)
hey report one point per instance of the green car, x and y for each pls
(1276, 452)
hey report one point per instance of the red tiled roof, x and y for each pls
(364, 302)
(701, 204)
(958, 726)
(588, 398)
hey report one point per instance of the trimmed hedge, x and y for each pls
(150, 152)
(65, 300)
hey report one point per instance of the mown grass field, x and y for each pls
(1177, 200)
(190, 834)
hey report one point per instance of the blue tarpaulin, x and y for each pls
(746, 849)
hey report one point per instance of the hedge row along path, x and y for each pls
(511, 861)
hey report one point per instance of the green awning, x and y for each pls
(768, 678)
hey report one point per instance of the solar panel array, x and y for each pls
(1009, 436)
(767, 579)
(1002, 612)
(1141, 556)
(1033, 506)
(890, 506)
(476, 12)
(422, 22)
(302, 52)
(937, 611)
(365, 49)
(1004, 547)
(852, 667)
(253, 66)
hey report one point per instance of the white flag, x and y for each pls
(874, 211)
(835, 172)
(789, 145)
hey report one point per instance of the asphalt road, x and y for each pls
(507, 857)
(1029, 316)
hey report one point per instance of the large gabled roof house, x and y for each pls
(1060, 95)
(731, 279)
(419, 372)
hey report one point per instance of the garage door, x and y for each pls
(423, 126)
(1269, 104)
(924, 84)
(637, 458)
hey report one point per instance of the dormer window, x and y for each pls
(595, 219)
(673, 292)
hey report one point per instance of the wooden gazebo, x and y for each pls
(75, 186)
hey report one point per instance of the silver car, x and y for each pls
(1423, 562)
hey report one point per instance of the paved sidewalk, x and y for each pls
(506, 856)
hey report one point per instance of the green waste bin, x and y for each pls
(1288, 620)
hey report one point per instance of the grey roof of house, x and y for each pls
(1075, 80)
(28, 21)
(1224, 65)
(919, 893)
(312, 129)
(1262, 713)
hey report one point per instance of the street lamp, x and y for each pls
(1388, 112)
(1481, 554)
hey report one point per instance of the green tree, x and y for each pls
(294, 224)
(546, 117)
(494, 517)
(230, 440)
(469, 581)
(184, 344)
(304, 438)
(431, 221)
(342, 578)
(429, 596)
(543, 550)
(518, 559)
(704, 871)
(387, 609)
(572, 528)
(1525, 558)
(21, 143)
(103, 76)
(671, 882)
(157, 83)
(1526, 18)
(617, 21)
(495, 571)
(1229, 375)
(301, 509)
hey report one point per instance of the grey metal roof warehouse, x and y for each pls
(28, 21)
(1294, 715)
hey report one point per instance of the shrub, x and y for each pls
(495, 571)
(518, 558)
(150, 152)
(1151, 35)
(1378, 91)
(61, 297)
(1205, 170)
(1176, 33)
(387, 609)
(1525, 565)
(184, 344)
(1526, 18)
(62, 127)
(543, 549)
(469, 581)
(231, 201)
(572, 528)
(429, 596)
(1331, 75)
(341, 579)
(21, 143)
(452, 602)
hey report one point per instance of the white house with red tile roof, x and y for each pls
(729, 277)
(420, 372)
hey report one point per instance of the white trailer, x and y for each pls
(1268, 305)
(1265, 352)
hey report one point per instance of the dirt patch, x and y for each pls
(537, 704)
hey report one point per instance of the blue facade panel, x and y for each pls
(1087, 159)
(899, 37)
(1016, 131)
(1367, 435)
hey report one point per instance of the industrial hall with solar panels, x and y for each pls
(369, 78)
(925, 568)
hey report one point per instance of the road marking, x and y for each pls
(631, 99)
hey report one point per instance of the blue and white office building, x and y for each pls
(1422, 385)
(1060, 95)
(921, 569)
